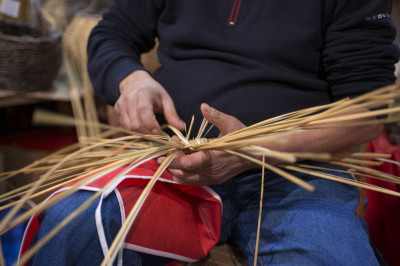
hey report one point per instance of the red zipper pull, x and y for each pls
(234, 12)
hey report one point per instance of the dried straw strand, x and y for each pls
(342, 180)
(259, 213)
(352, 172)
(118, 241)
(32, 250)
(276, 170)
(103, 155)
(2, 262)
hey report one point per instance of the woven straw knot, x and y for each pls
(193, 144)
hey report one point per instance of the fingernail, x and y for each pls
(207, 108)
(155, 131)
(160, 160)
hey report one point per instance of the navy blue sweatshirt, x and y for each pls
(250, 59)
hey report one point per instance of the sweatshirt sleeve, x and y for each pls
(359, 54)
(115, 44)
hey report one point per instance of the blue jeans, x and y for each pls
(298, 227)
(78, 243)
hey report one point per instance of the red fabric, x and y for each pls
(176, 221)
(44, 139)
(383, 211)
(29, 233)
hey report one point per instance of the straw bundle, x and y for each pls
(77, 19)
(104, 153)
(75, 59)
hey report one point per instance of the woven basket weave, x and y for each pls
(28, 62)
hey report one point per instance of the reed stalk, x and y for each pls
(102, 153)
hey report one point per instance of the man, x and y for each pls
(240, 62)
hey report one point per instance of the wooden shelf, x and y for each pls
(59, 92)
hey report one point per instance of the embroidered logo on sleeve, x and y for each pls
(378, 17)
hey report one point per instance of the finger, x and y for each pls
(123, 117)
(225, 123)
(145, 113)
(161, 159)
(188, 178)
(125, 122)
(194, 179)
(170, 113)
(194, 162)
(127, 115)
(129, 119)
(136, 124)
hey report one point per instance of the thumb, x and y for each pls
(225, 123)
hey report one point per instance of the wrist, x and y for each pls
(249, 165)
(133, 77)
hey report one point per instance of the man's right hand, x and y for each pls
(140, 97)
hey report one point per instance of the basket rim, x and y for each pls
(31, 39)
(52, 36)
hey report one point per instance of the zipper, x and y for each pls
(234, 12)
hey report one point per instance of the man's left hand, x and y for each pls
(210, 167)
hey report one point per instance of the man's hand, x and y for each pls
(210, 167)
(141, 96)
(215, 167)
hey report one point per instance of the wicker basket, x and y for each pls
(28, 62)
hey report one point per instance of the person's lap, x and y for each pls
(298, 227)
(78, 243)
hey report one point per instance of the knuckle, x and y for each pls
(117, 109)
(207, 161)
(218, 115)
(188, 165)
(142, 108)
(134, 125)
